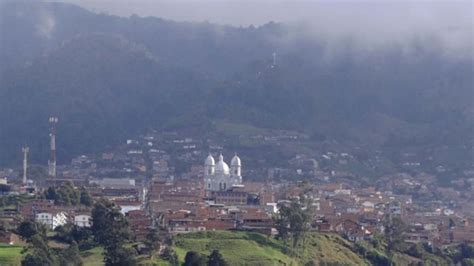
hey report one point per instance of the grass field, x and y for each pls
(238, 248)
(238, 129)
(92, 257)
(328, 249)
(243, 248)
(10, 255)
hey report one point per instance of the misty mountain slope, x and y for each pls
(108, 78)
(103, 87)
(204, 47)
(344, 97)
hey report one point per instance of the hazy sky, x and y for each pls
(370, 21)
(245, 12)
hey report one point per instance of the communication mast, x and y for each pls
(25, 163)
(52, 156)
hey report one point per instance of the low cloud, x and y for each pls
(46, 24)
(447, 24)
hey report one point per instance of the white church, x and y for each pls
(218, 176)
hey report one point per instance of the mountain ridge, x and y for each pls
(109, 78)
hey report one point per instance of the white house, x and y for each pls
(51, 219)
(83, 220)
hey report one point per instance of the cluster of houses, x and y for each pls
(46, 212)
(185, 206)
(142, 177)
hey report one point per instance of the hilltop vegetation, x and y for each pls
(244, 248)
(241, 248)
(236, 247)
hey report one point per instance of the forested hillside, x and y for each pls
(109, 77)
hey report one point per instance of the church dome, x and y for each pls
(235, 161)
(209, 160)
(222, 167)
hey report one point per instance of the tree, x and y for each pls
(36, 259)
(394, 230)
(153, 240)
(39, 253)
(83, 237)
(282, 224)
(63, 233)
(66, 194)
(170, 255)
(109, 225)
(174, 259)
(86, 198)
(73, 234)
(193, 258)
(216, 259)
(110, 229)
(294, 220)
(51, 194)
(416, 250)
(70, 256)
(119, 255)
(28, 229)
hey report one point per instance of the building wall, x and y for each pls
(83, 220)
(51, 220)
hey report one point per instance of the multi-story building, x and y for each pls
(52, 219)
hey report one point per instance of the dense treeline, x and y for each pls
(67, 194)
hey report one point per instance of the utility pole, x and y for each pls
(25, 151)
(52, 156)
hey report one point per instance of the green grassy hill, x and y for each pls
(242, 248)
(245, 248)
(238, 248)
(10, 255)
(93, 257)
(328, 249)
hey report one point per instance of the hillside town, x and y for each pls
(236, 132)
(184, 184)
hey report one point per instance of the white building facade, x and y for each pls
(83, 220)
(52, 220)
(219, 176)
